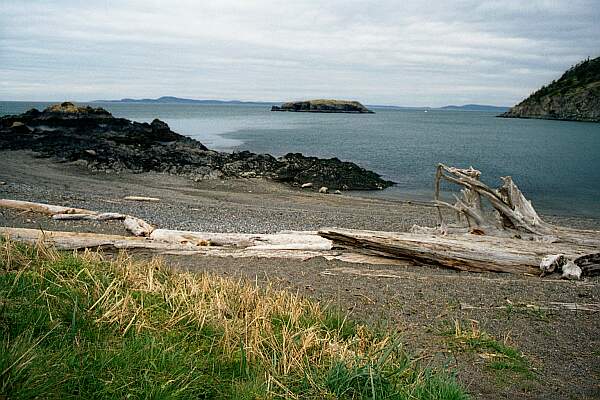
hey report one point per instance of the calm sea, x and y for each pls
(556, 163)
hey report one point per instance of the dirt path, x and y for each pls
(423, 303)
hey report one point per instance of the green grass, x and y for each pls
(499, 356)
(529, 311)
(79, 326)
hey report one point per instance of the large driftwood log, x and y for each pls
(277, 241)
(461, 252)
(233, 248)
(172, 245)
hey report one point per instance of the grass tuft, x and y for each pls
(526, 310)
(77, 325)
(499, 356)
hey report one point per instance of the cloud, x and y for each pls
(379, 52)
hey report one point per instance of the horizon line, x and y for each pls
(140, 100)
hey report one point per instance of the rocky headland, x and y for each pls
(94, 138)
(324, 106)
(574, 97)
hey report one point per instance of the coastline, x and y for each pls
(264, 132)
(415, 299)
(415, 185)
(250, 205)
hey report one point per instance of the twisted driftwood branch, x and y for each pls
(514, 215)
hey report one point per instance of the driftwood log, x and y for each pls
(136, 226)
(290, 240)
(42, 208)
(283, 245)
(460, 252)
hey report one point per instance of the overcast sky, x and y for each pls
(413, 53)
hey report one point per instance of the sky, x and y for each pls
(408, 53)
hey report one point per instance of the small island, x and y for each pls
(324, 106)
(573, 97)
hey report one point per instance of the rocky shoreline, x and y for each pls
(95, 139)
(573, 97)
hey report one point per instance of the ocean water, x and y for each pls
(555, 163)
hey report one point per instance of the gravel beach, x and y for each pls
(420, 302)
(235, 205)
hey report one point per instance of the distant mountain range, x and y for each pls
(179, 100)
(475, 107)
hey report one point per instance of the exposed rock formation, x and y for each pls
(94, 138)
(574, 97)
(324, 106)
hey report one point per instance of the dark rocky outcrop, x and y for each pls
(574, 97)
(324, 106)
(96, 139)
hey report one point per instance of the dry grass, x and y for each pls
(251, 342)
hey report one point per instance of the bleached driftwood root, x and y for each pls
(513, 216)
(136, 226)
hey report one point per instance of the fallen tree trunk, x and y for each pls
(460, 252)
(466, 254)
(273, 247)
(276, 241)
